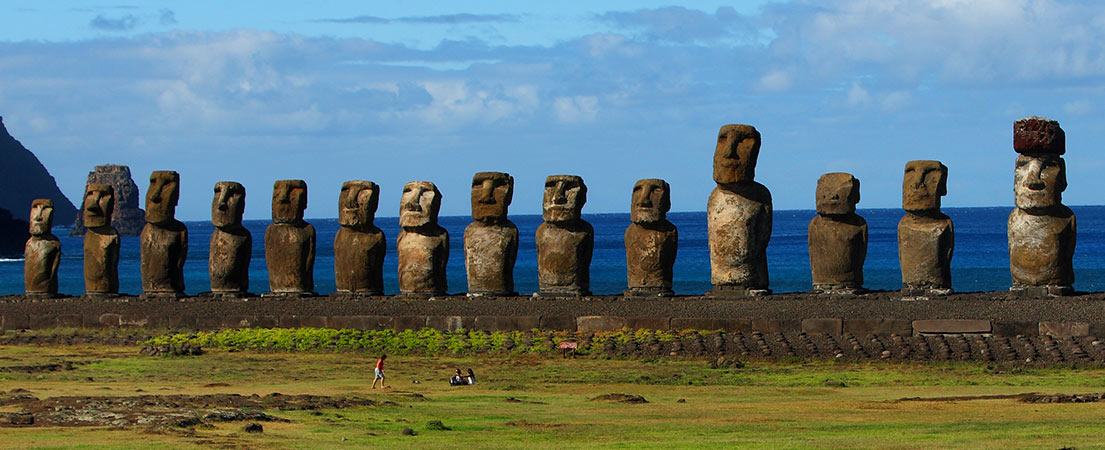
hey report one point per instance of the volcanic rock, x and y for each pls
(128, 219)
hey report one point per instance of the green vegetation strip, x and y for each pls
(426, 341)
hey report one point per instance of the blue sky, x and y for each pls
(254, 91)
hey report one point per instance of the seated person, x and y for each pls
(457, 379)
(471, 378)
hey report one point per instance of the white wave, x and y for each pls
(10, 259)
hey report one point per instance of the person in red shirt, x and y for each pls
(379, 372)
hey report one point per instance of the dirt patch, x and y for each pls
(216, 385)
(1028, 397)
(182, 411)
(963, 398)
(527, 402)
(622, 398)
(535, 426)
(53, 367)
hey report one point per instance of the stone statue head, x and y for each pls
(1040, 176)
(161, 198)
(99, 203)
(419, 204)
(738, 146)
(289, 200)
(357, 203)
(1039, 181)
(42, 216)
(565, 196)
(923, 185)
(491, 195)
(651, 201)
(837, 194)
(228, 204)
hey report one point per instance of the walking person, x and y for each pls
(379, 372)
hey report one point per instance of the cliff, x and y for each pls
(128, 219)
(23, 178)
(13, 235)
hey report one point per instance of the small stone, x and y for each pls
(406, 431)
(254, 427)
(682, 400)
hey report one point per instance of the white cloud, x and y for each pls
(1078, 107)
(576, 109)
(774, 81)
(857, 95)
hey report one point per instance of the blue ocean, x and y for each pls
(981, 261)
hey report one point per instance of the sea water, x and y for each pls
(981, 261)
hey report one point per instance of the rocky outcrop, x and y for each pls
(128, 219)
(23, 178)
(13, 235)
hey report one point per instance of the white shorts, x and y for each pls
(379, 373)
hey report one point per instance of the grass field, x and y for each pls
(531, 401)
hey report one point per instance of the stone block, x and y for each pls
(566, 323)
(1097, 329)
(266, 322)
(776, 326)
(823, 326)
(449, 323)
(110, 320)
(1064, 329)
(180, 322)
(289, 321)
(209, 322)
(591, 324)
(707, 323)
(409, 322)
(41, 321)
(16, 322)
(69, 320)
(648, 323)
(951, 326)
(881, 327)
(1010, 329)
(312, 321)
(235, 321)
(507, 323)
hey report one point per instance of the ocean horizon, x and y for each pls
(980, 262)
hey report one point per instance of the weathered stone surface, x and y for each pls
(164, 240)
(1042, 231)
(453, 323)
(564, 240)
(837, 236)
(776, 326)
(101, 241)
(128, 219)
(491, 240)
(359, 246)
(231, 243)
(507, 323)
(739, 216)
(290, 241)
(710, 323)
(951, 326)
(926, 238)
(648, 323)
(831, 326)
(42, 254)
(591, 324)
(1064, 329)
(423, 245)
(881, 327)
(409, 322)
(567, 323)
(1036, 134)
(1009, 329)
(651, 241)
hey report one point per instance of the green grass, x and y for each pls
(763, 405)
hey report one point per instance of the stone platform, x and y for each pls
(875, 313)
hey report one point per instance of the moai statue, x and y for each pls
(423, 245)
(564, 240)
(164, 240)
(231, 243)
(42, 254)
(837, 236)
(1042, 230)
(290, 242)
(101, 243)
(738, 216)
(651, 241)
(491, 240)
(359, 246)
(926, 238)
